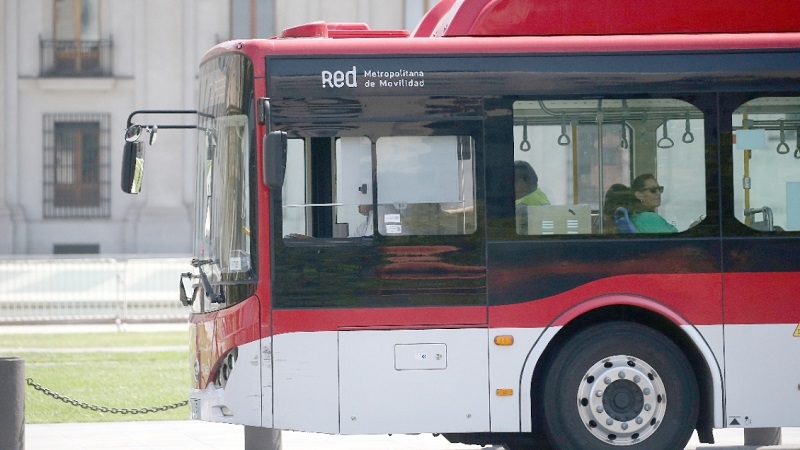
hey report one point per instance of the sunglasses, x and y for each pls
(654, 189)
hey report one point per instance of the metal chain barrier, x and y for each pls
(99, 408)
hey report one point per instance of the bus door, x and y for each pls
(761, 245)
(379, 279)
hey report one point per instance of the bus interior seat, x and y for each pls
(341, 230)
(766, 223)
(623, 221)
(554, 219)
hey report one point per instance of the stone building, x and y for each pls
(70, 73)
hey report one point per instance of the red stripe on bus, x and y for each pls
(299, 320)
(750, 298)
(762, 297)
(684, 298)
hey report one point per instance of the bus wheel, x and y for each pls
(620, 384)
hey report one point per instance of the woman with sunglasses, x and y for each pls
(648, 193)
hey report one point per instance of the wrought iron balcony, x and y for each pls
(75, 58)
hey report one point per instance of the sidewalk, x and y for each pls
(181, 435)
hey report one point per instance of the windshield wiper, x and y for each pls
(201, 262)
(207, 288)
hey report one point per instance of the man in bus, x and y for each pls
(364, 229)
(526, 186)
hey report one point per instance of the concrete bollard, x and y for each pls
(12, 403)
(257, 438)
(762, 436)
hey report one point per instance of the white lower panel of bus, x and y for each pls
(512, 367)
(436, 380)
(763, 375)
(413, 381)
(240, 401)
(422, 381)
(306, 382)
(376, 381)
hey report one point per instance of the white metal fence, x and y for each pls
(122, 289)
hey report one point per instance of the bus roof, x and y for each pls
(512, 44)
(551, 26)
(607, 17)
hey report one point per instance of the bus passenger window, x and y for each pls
(766, 157)
(586, 154)
(294, 189)
(425, 185)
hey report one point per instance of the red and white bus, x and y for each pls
(368, 259)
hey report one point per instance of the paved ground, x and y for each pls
(181, 435)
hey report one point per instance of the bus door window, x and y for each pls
(425, 185)
(766, 164)
(586, 153)
(327, 191)
(295, 213)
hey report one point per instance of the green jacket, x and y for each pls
(535, 198)
(650, 222)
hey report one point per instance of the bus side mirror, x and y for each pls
(274, 158)
(132, 167)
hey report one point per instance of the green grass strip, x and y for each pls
(129, 379)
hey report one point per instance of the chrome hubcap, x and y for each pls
(621, 400)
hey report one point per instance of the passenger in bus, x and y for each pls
(644, 217)
(364, 229)
(617, 196)
(526, 186)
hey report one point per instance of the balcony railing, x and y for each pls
(70, 58)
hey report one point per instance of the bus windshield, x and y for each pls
(225, 126)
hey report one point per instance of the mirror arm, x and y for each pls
(164, 111)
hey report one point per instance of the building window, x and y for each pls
(76, 166)
(252, 19)
(76, 48)
(76, 19)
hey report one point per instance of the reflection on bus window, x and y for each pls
(766, 164)
(586, 154)
(425, 185)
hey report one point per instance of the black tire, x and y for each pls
(620, 382)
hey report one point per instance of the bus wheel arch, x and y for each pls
(638, 317)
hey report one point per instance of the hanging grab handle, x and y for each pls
(623, 142)
(563, 140)
(665, 141)
(688, 137)
(797, 145)
(783, 147)
(525, 145)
